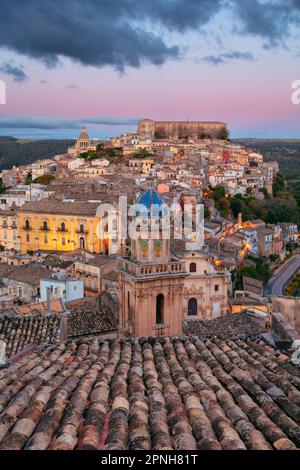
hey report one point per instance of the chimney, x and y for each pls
(49, 311)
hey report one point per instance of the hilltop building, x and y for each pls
(181, 130)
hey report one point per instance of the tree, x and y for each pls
(278, 184)
(157, 135)
(224, 133)
(2, 188)
(44, 179)
(28, 179)
(237, 206)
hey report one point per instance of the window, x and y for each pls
(63, 241)
(192, 307)
(20, 292)
(216, 288)
(160, 300)
(193, 268)
(45, 225)
(14, 235)
(27, 225)
(81, 228)
(27, 238)
(45, 239)
(63, 227)
(82, 243)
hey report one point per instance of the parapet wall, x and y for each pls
(289, 307)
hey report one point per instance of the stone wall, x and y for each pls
(289, 307)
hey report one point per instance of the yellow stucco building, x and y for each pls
(9, 233)
(60, 226)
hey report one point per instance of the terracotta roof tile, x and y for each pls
(153, 394)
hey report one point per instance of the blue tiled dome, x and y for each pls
(149, 199)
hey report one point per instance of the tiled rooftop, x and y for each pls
(170, 393)
(51, 206)
(90, 321)
(225, 327)
(31, 325)
(18, 332)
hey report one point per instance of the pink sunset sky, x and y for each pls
(233, 77)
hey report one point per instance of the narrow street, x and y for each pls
(278, 282)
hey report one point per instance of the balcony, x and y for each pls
(62, 230)
(45, 229)
(82, 231)
(152, 270)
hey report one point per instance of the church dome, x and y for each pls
(151, 200)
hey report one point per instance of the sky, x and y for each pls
(108, 63)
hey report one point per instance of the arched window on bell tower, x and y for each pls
(160, 301)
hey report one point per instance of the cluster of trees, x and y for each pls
(143, 153)
(44, 179)
(256, 268)
(23, 152)
(283, 207)
(293, 289)
(113, 154)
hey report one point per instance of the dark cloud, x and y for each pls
(272, 20)
(99, 32)
(14, 71)
(228, 56)
(122, 33)
(56, 123)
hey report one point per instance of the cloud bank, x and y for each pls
(57, 123)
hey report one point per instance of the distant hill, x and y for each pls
(285, 151)
(24, 151)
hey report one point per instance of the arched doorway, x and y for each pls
(82, 243)
(192, 307)
(160, 301)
